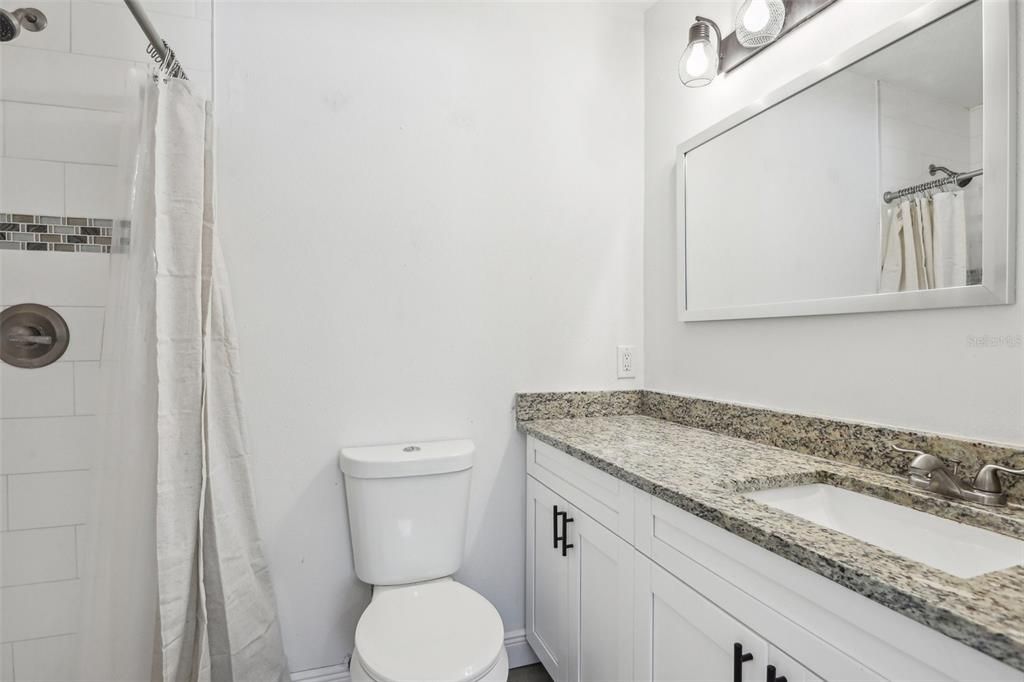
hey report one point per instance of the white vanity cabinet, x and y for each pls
(647, 591)
(683, 636)
(579, 578)
(686, 637)
(547, 581)
(784, 666)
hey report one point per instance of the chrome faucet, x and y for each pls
(931, 473)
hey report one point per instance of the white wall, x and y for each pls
(61, 96)
(426, 207)
(910, 369)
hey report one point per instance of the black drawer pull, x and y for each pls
(772, 677)
(554, 527)
(566, 546)
(738, 659)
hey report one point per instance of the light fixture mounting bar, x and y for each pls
(797, 12)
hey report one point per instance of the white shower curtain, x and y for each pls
(176, 585)
(950, 239)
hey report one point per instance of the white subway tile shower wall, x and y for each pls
(47, 439)
(61, 96)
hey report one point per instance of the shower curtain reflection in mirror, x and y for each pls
(925, 244)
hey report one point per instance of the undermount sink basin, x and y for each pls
(955, 548)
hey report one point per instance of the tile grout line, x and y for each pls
(76, 107)
(64, 199)
(64, 161)
(62, 580)
(74, 390)
(43, 582)
(71, 27)
(102, 391)
(122, 60)
(66, 525)
(54, 471)
(52, 416)
(36, 639)
(63, 525)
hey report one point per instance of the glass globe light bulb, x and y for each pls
(757, 15)
(697, 62)
(759, 22)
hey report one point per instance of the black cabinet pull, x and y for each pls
(772, 677)
(738, 659)
(566, 546)
(554, 527)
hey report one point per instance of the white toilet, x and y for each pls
(407, 507)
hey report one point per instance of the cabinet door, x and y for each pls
(600, 603)
(547, 581)
(682, 637)
(786, 667)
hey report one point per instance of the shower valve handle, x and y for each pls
(31, 338)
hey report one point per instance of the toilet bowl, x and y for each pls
(439, 631)
(407, 507)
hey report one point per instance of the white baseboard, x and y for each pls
(519, 654)
(330, 673)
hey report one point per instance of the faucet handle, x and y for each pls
(988, 478)
(926, 462)
(909, 450)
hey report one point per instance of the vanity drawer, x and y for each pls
(603, 497)
(835, 632)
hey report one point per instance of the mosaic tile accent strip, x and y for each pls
(23, 232)
(863, 445)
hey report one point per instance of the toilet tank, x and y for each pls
(407, 507)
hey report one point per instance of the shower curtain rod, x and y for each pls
(950, 177)
(158, 48)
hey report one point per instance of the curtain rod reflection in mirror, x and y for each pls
(961, 179)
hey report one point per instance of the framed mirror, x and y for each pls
(881, 180)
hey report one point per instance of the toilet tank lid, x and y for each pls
(407, 459)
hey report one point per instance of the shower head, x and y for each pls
(27, 18)
(9, 26)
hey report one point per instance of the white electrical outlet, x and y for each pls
(626, 368)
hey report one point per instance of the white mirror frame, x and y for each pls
(999, 159)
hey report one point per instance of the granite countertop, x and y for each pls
(706, 474)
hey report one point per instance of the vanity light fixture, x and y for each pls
(699, 64)
(759, 22)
